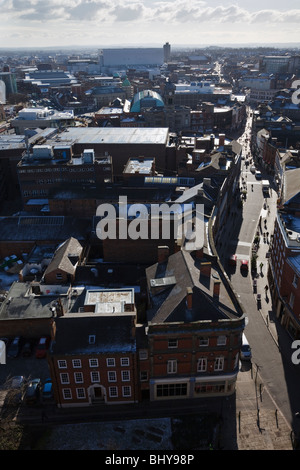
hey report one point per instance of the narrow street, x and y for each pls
(263, 331)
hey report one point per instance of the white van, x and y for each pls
(245, 349)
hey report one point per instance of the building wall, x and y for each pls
(176, 357)
(80, 376)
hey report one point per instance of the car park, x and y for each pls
(33, 390)
(43, 345)
(47, 391)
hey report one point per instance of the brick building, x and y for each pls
(194, 330)
(284, 267)
(92, 358)
(50, 168)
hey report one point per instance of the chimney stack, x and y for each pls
(205, 268)
(163, 254)
(189, 298)
(216, 291)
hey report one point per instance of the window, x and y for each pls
(64, 378)
(124, 361)
(113, 392)
(292, 298)
(92, 339)
(67, 394)
(126, 391)
(219, 363)
(171, 390)
(125, 375)
(59, 276)
(202, 364)
(110, 362)
(93, 362)
(221, 341)
(95, 376)
(62, 364)
(172, 367)
(80, 392)
(78, 376)
(295, 280)
(76, 363)
(143, 376)
(203, 341)
(112, 376)
(143, 355)
(173, 343)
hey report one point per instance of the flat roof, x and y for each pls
(113, 135)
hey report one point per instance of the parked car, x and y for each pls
(43, 345)
(245, 349)
(14, 348)
(232, 260)
(258, 175)
(33, 390)
(244, 265)
(27, 349)
(47, 392)
(16, 390)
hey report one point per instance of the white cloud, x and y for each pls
(146, 20)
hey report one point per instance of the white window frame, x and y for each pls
(125, 375)
(64, 378)
(67, 393)
(202, 364)
(76, 363)
(219, 363)
(78, 377)
(112, 376)
(124, 361)
(126, 391)
(110, 362)
(80, 393)
(94, 362)
(62, 364)
(95, 376)
(113, 392)
(172, 366)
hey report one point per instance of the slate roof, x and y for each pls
(38, 228)
(66, 257)
(169, 302)
(111, 334)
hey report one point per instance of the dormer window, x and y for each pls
(92, 339)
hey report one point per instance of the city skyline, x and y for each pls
(98, 23)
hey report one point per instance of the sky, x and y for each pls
(105, 23)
